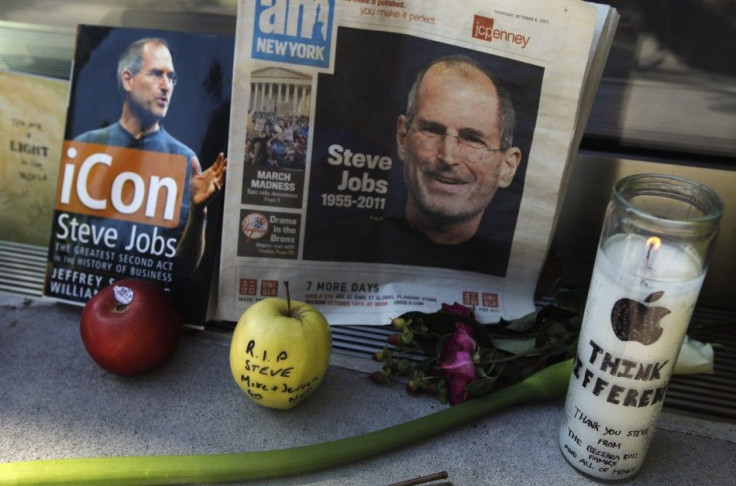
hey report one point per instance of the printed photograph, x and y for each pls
(419, 154)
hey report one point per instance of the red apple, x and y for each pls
(130, 327)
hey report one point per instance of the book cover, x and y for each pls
(139, 175)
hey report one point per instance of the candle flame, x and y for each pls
(653, 243)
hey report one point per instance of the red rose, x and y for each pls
(459, 310)
(456, 362)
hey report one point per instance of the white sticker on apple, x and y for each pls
(124, 295)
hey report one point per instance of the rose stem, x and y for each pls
(547, 384)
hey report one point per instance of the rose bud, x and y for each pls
(398, 322)
(412, 388)
(377, 377)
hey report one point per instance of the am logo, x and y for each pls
(294, 31)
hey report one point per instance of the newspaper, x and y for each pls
(369, 205)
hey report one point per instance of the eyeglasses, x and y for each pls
(470, 146)
(159, 74)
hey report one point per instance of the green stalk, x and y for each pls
(547, 384)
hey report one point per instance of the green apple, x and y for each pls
(280, 351)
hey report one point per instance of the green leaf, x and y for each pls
(542, 337)
(491, 370)
(523, 323)
(573, 323)
(403, 365)
(571, 350)
(557, 329)
(407, 337)
(490, 355)
(516, 345)
(425, 364)
(481, 386)
(571, 299)
(442, 394)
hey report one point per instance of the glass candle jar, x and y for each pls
(657, 237)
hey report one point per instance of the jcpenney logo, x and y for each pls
(483, 29)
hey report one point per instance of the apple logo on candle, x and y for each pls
(637, 321)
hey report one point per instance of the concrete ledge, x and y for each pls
(55, 402)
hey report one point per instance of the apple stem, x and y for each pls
(288, 297)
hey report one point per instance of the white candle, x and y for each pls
(641, 298)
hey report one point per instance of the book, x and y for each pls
(359, 177)
(32, 109)
(148, 111)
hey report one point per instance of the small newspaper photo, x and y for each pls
(396, 155)
(146, 123)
